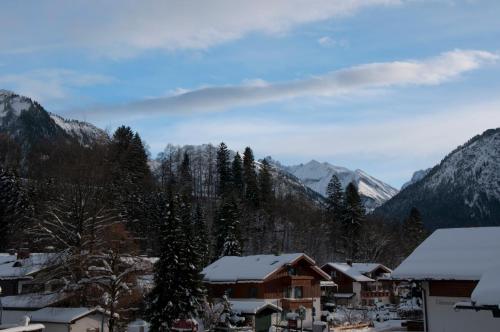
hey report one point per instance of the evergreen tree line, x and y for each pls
(188, 207)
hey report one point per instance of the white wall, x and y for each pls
(356, 289)
(442, 317)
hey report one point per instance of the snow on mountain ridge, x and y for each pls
(317, 175)
(12, 106)
(417, 176)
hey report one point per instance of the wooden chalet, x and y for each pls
(360, 284)
(287, 282)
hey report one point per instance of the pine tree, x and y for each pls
(352, 219)
(266, 183)
(14, 206)
(237, 173)
(227, 228)
(334, 211)
(223, 170)
(178, 289)
(335, 197)
(200, 237)
(414, 231)
(185, 178)
(250, 178)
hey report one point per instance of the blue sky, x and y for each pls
(387, 86)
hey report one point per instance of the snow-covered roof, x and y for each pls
(487, 291)
(357, 271)
(453, 254)
(256, 268)
(13, 268)
(252, 307)
(62, 315)
(32, 301)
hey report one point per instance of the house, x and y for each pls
(264, 285)
(71, 319)
(360, 283)
(458, 270)
(15, 307)
(18, 270)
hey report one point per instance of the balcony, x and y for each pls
(294, 304)
(374, 294)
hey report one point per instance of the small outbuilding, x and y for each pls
(71, 319)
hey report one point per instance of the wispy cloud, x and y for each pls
(327, 41)
(397, 145)
(431, 71)
(50, 84)
(126, 27)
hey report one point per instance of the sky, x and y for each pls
(386, 86)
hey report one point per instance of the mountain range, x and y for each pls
(27, 122)
(316, 175)
(462, 190)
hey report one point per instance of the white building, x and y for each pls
(459, 270)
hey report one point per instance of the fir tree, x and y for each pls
(414, 231)
(185, 178)
(266, 183)
(223, 170)
(200, 237)
(237, 173)
(352, 218)
(250, 177)
(178, 289)
(13, 206)
(227, 228)
(335, 197)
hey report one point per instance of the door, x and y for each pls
(262, 322)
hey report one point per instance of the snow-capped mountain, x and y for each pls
(28, 122)
(316, 176)
(417, 176)
(463, 190)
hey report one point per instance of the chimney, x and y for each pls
(23, 253)
(349, 262)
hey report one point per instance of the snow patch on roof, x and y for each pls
(453, 254)
(487, 291)
(252, 307)
(61, 315)
(232, 269)
(356, 271)
(33, 301)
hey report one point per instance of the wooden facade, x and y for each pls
(452, 288)
(292, 285)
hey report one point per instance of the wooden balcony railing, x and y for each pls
(374, 294)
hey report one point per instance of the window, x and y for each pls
(287, 292)
(252, 292)
(333, 274)
(298, 292)
(228, 292)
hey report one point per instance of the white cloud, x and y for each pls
(125, 27)
(430, 71)
(50, 84)
(327, 41)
